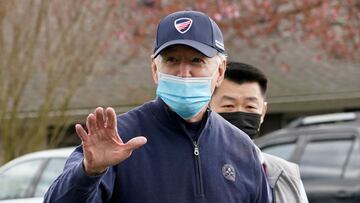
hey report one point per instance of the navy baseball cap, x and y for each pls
(191, 28)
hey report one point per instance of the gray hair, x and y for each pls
(222, 56)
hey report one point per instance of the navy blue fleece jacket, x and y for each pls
(220, 166)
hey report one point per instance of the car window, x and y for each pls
(284, 151)
(324, 159)
(52, 170)
(16, 180)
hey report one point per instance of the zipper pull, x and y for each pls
(196, 149)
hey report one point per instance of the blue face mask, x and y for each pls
(185, 96)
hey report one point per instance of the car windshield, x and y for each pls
(50, 173)
(30, 178)
(16, 182)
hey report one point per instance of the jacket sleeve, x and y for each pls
(74, 186)
(261, 182)
(301, 187)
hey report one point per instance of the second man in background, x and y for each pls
(241, 100)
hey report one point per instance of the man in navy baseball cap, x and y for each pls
(174, 148)
(191, 28)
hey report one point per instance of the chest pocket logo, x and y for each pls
(229, 172)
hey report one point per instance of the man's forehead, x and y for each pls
(249, 91)
(235, 97)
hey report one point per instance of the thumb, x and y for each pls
(136, 142)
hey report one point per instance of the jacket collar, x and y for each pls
(165, 115)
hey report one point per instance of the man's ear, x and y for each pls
(221, 70)
(154, 71)
(263, 112)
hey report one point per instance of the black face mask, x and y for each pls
(247, 122)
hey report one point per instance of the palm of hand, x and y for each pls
(102, 144)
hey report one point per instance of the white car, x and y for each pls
(27, 178)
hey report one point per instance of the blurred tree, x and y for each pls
(333, 26)
(53, 41)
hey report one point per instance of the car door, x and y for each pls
(323, 163)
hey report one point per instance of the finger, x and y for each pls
(99, 112)
(111, 118)
(80, 131)
(135, 143)
(91, 123)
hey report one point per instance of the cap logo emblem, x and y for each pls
(182, 25)
(229, 172)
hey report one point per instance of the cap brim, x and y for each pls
(202, 48)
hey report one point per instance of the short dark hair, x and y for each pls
(241, 73)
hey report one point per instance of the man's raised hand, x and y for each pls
(102, 144)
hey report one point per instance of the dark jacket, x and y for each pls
(220, 166)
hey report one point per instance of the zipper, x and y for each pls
(198, 174)
(196, 149)
(199, 187)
